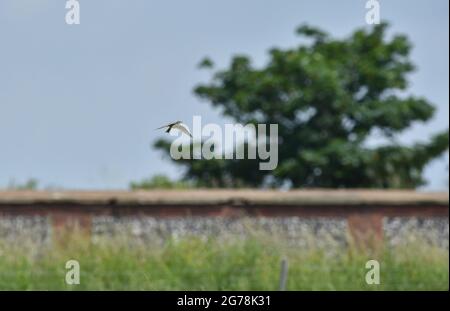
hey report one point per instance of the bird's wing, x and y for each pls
(183, 128)
(167, 125)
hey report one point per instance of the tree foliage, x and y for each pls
(328, 96)
(159, 182)
(30, 184)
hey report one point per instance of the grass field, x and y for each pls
(231, 264)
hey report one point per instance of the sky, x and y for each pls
(79, 103)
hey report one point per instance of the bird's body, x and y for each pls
(176, 125)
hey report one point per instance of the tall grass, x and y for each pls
(234, 263)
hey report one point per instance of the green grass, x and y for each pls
(234, 264)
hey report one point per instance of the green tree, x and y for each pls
(159, 182)
(328, 97)
(30, 184)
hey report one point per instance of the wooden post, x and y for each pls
(283, 274)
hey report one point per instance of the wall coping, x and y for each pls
(318, 197)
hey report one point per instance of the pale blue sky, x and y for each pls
(79, 104)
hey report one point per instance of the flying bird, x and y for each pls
(176, 125)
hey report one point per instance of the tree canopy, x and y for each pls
(328, 97)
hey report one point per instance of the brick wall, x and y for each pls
(326, 215)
